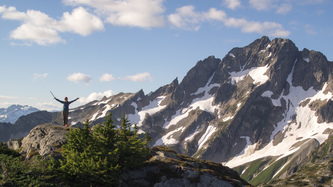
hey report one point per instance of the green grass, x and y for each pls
(266, 175)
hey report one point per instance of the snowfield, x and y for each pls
(150, 109)
(256, 73)
(203, 103)
(305, 128)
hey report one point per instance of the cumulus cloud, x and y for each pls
(106, 78)
(40, 76)
(95, 96)
(38, 27)
(140, 77)
(261, 4)
(80, 21)
(265, 28)
(187, 18)
(284, 8)
(265, 5)
(79, 77)
(232, 4)
(135, 13)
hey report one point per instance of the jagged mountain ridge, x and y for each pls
(267, 100)
(13, 112)
(264, 100)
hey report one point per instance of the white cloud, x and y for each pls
(80, 22)
(7, 97)
(214, 14)
(49, 106)
(310, 29)
(39, 28)
(264, 28)
(106, 77)
(95, 96)
(232, 4)
(284, 8)
(187, 18)
(140, 77)
(40, 76)
(39, 35)
(135, 13)
(261, 4)
(265, 5)
(79, 77)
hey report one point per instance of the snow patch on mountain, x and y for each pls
(102, 114)
(256, 73)
(191, 136)
(304, 128)
(203, 103)
(169, 139)
(306, 60)
(232, 55)
(209, 131)
(13, 112)
(150, 109)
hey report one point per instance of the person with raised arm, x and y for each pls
(65, 109)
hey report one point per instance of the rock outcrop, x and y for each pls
(169, 169)
(165, 167)
(44, 140)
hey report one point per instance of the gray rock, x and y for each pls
(44, 140)
(168, 169)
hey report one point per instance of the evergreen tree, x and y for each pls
(133, 151)
(99, 157)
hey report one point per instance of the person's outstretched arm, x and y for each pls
(73, 100)
(58, 100)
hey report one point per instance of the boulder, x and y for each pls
(44, 140)
(168, 168)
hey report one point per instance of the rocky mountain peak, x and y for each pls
(259, 103)
(197, 77)
(13, 112)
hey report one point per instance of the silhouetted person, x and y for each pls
(65, 109)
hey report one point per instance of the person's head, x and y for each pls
(66, 99)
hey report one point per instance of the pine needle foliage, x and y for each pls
(98, 157)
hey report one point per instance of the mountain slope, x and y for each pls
(316, 169)
(267, 103)
(267, 100)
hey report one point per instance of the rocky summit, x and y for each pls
(164, 168)
(262, 107)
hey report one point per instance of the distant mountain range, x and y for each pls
(264, 107)
(13, 112)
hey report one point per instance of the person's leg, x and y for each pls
(65, 117)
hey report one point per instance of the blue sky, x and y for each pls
(91, 48)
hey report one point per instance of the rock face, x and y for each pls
(167, 168)
(44, 140)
